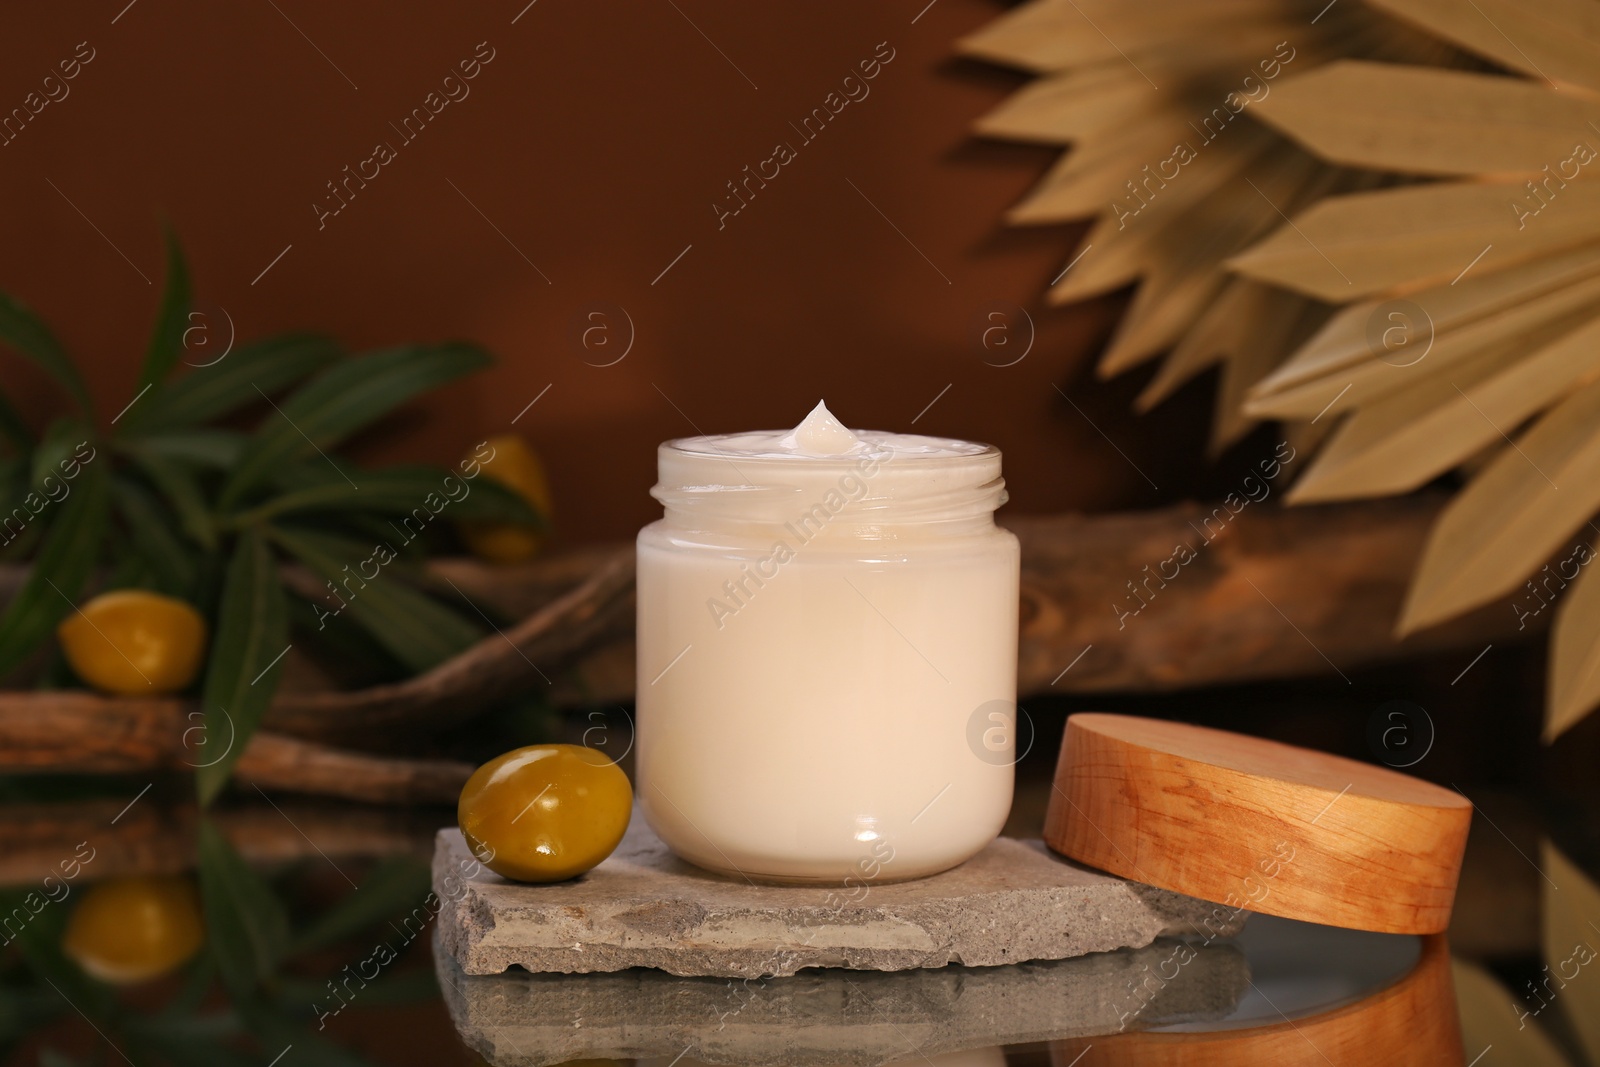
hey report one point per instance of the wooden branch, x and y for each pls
(83, 733)
(499, 666)
(1275, 593)
(274, 761)
(1110, 603)
(150, 836)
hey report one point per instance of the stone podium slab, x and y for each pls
(828, 1018)
(643, 907)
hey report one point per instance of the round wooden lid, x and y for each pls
(1257, 825)
(1415, 1020)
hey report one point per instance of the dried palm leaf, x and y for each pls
(1422, 120)
(1125, 251)
(1226, 326)
(1516, 339)
(1575, 655)
(1571, 910)
(1050, 35)
(1556, 40)
(1391, 367)
(1063, 107)
(1154, 100)
(1347, 340)
(1512, 517)
(1490, 1018)
(1392, 240)
(1179, 287)
(1253, 357)
(1460, 308)
(1252, 323)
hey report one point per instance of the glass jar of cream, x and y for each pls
(827, 625)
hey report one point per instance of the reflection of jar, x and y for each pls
(827, 654)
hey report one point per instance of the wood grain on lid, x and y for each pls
(1258, 825)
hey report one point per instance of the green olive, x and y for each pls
(545, 813)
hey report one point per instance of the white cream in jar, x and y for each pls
(827, 653)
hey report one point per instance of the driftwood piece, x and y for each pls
(274, 761)
(81, 733)
(597, 607)
(1110, 603)
(143, 835)
(1269, 593)
(1274, 593)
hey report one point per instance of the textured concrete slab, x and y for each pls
(643, 907)
(832, 1016)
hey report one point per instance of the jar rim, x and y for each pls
(950, 451)
(889, 481)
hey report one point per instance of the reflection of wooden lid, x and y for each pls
(1412, 1021)
(1258, 825)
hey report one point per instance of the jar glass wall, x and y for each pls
(826, 645)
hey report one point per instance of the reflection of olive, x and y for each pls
(545, 813)
(134, 642)
(133, 929)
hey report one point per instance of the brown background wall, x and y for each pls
(592, 146)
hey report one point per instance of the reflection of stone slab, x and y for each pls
(832, 1016)
(643, 907)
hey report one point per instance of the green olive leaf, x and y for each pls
(67, 556)
(240, 378)
(278, 1026)
(13, 427)
(341, 400)
(13, 483)
(252, 634)
(177, 482)
(356, 657)
(23, 331)
(420, 492)
(48, 1057)
(247, 928)
(38, 939)
(197, 1042)
(207, 448)
(413, 627)
(392, 888)
(394, 984)
(53, 456)
(155, 537)
(166, 341)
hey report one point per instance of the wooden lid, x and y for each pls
(1415, 1020)
(1258, 825)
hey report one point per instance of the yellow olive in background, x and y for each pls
(134, 642)
(545, 813)
(134, 929)
(515, 466)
